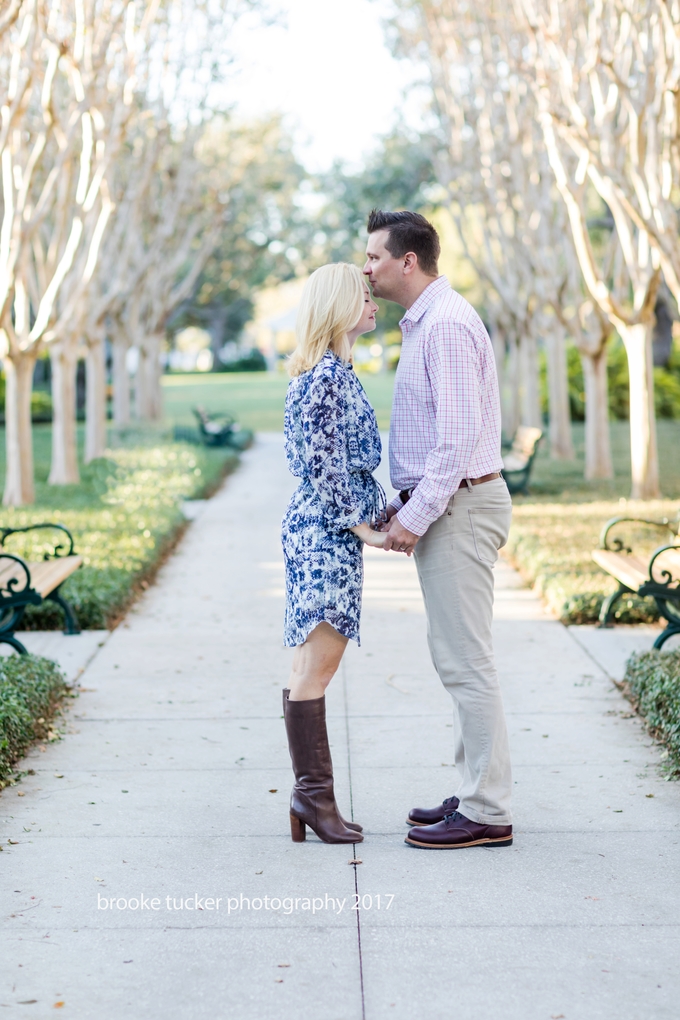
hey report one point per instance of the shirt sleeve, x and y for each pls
(324, 429)
(452, 364)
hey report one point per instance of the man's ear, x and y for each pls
(410, 262)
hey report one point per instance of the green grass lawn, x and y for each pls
(556, 527)
(564, 479)
(256, 399)
(55, 497)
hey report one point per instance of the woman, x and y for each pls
(332, 445)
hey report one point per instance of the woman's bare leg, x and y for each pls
(315, 663)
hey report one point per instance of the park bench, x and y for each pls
(657, 577)
(518, 461)
(24, 583)
(221, 430)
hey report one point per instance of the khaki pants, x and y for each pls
(455, 560)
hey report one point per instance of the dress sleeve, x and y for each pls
(324, 429)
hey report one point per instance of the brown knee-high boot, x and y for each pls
(348, 825)
(312, 801)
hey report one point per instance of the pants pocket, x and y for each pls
(490, 530)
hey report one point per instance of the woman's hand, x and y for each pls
(367, 535)
(382, 521)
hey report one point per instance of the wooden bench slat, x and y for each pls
(32, 583)
(630, 570)
(515, 461)
(633, 574)
(46, 575)
(525, 440)
(49, 574)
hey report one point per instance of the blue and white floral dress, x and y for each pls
(333, 446)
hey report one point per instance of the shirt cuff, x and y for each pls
(410, 519)
(417, 515)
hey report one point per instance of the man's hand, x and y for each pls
(399, 538)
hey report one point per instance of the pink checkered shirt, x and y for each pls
(446, 419)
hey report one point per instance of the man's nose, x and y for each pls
(367, 269)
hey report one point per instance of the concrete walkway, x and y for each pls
(170, 794)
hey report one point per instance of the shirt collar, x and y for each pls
(421, 304)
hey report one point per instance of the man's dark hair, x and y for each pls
(408, 231)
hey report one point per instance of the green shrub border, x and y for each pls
(652, 683)
(31, 689)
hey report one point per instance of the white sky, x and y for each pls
(327, 67)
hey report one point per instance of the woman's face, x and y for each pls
(367, 321)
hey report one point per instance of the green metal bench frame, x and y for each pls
(14, 599)
(665, 592)
(518, 481)
(221, 430)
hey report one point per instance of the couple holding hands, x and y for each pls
(453, 513)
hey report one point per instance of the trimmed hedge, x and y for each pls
(30, 690)
(123, 526)
(551, 543)
(652, 682)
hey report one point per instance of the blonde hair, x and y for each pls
(330, 307)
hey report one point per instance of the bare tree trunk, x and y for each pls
(644, 458)
(64, 469)
(95, 399)
(121, 384)
(561, 445)
(142, 399)
(598, 442)
(510, 402)
(148, 397)
(530, 396)
(500, 358)
(19, 483)
(155, 388)
(498, 345)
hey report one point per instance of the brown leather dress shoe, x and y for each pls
(456, 831)
(429, 816)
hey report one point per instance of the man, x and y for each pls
(453, 512)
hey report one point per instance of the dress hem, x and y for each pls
(350, 637)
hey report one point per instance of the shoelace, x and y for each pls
(450, 819)
(448, 800)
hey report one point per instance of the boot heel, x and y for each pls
(297, 829)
